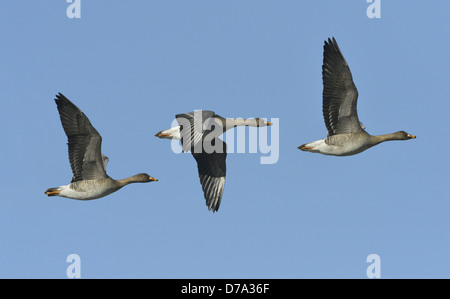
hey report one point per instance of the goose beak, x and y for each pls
(411, 136)
(268, 123)
(52, 193)
(152, 179)
(160, 135)
(305, 148)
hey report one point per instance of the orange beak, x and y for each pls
(52, 193)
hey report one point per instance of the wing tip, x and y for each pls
(331, 43)
(213, 188)
(60, 96)
(62, 100)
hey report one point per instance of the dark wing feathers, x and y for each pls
(339, 92)
(212, 173)
(195, 128)
(84, 142)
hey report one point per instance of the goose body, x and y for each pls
(85, 190)
(345, 145)
(346, 134)
(196, 131)
(88, 164)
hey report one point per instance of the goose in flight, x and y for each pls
(346, 134)
(90, 180)
(199, 133)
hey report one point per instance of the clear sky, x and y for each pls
(131, 66)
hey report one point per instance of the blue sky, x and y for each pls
(132, 65)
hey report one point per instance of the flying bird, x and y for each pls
(199, 133)
(88, 164)
(346, 134)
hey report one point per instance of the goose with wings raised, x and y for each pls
(90, 180)
(346, 134)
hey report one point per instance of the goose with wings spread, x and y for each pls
(90, 180)
(199, 133)
(346, 134)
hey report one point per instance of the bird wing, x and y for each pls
(84, 142)
(212, 172)
(339, 92)
(192, 127)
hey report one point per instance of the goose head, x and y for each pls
(262, 123)
(143, 178)
(402, 135)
